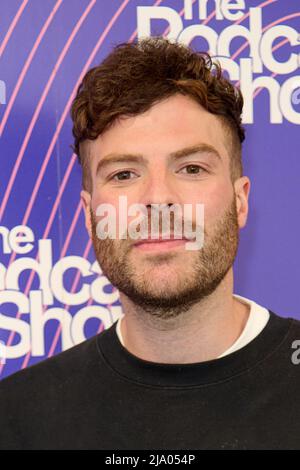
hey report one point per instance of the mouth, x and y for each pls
(151, 245)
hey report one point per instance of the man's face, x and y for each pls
(167, 280)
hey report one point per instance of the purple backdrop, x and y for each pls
(45, 49)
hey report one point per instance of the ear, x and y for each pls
(86, 202)
(242, 191)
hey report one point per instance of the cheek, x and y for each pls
(115, 212)
(102, 199)
(216, 199)
(110, 195)
(104, 207)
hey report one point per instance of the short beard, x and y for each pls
(205, 269)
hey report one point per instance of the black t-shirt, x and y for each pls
(97, 395)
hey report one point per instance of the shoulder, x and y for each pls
(289, 324)
(284, 333)
(36, 400)
(51, 372)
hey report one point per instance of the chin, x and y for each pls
(162, 286)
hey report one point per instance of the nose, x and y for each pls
(158, 189)
(159, 193)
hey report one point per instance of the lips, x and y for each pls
(158, 240)
(160, 245)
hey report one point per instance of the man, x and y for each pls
(189, 365)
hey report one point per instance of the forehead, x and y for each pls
(168, 126)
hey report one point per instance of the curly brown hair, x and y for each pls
(135, 76)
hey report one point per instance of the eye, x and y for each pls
(194, 169)
(122, 174)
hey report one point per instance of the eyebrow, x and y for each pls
(138, 158)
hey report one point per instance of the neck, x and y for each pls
(199, 334)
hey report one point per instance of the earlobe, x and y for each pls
(86, 202)
(242, 190)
